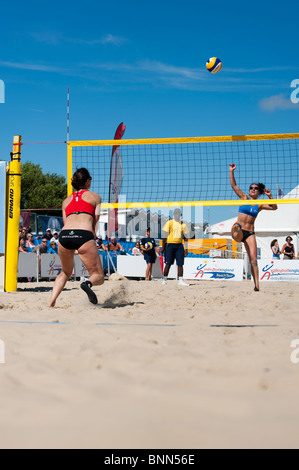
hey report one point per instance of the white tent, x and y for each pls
(269, 225)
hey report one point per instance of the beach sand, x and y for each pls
(150, 367)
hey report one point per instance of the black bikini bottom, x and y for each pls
(74, 239)
(246, 234)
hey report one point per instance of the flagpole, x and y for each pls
(68, 116)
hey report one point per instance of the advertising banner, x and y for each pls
(51, 266)
(278, 270)
(213, 269)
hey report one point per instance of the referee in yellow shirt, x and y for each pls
(173, 236)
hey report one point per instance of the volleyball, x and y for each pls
(214, 65)
(148, 245)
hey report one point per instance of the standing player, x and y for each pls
(243, 229)
(148, 253)
(174, 234)
(80, 213)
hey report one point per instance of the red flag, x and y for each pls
(116, 177)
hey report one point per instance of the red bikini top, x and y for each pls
(79, 206)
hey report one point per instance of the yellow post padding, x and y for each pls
(13, 200)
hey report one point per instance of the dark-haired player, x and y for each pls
(243, 229)
(81, 212)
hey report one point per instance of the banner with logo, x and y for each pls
(213, 269)
(278, 270)
(51, 266)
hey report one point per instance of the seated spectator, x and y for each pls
(23, 232)
(53, 249)
(43, 247)
(158, 251)
(100, 244)
(115, 246)
(22, 246)
(136, 249)
(29, 242)
(48, 234)
(55, 237)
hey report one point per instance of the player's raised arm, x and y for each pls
(233, 183)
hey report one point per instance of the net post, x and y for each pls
(13, 200)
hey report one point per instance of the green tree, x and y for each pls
(40, 190)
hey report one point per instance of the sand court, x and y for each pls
(150, 366)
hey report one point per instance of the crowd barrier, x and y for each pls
(48, 266)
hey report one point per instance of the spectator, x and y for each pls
(43, 247)
(275, 248)
(100, 244)
(288, 250)
(22, 246)
(136, 249)
(48, 234)
(160, 257)
(53, 249)
(115, 246)
(23, 233)
(30, 242)
(55, 237)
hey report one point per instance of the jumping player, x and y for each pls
(243, 229)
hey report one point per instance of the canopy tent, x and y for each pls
(269, 225)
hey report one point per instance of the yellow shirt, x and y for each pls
(175, 231)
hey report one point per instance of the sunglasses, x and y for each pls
(254, 187)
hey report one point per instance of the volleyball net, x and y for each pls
(190, 171)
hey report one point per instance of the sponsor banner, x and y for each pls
(51, 266)
(278, 270)
(135, 266)
(27, 265)
(213, 269)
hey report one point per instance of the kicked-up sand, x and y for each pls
(212, 365)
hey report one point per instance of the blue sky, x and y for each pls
(144, 64)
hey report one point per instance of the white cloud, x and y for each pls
(111, 39)
(275, 102)
(53, 38)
